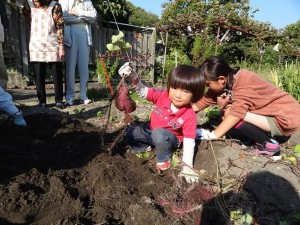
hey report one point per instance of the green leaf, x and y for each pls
(246, 219)
(297, 215)
(175, 160)
(283, 223)
(212, 112)
(143, 155)
(100, 113)
(113, 118)
(235, 215)
(297, 148)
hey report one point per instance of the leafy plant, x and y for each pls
(238, 217)
(113, 118)
(106, 9)
(283, 222)
(288, 78)
(275, 78)
(141, 17)
(77, 111)
(297, 215)
(297, 153)
(174, 58)
(212, 112)
(143, 155)
(101, 113)
(111, 66)
(203, 48)
(118, 44)
(176, 158)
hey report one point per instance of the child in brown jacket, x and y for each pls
(252, 106)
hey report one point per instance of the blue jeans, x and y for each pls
(141, 137)
(77, 54)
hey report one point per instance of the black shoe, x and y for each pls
(60, 105)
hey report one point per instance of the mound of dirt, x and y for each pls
(61, 170)
(56, 172)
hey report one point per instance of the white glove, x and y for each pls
(127, 70)
(189, 175)
(203, 134)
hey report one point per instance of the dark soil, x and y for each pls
(62, 169)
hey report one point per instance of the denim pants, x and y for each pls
(77, 54)
(141, 137)
(6, 103)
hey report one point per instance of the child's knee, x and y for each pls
(158, 136)
(129, 133)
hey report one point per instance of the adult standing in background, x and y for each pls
(78, 16)
(46, 45)
(3, 29)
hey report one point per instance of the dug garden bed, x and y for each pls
(66, 168)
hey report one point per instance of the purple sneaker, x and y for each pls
(269, 148)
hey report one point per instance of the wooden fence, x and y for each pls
(142, 40)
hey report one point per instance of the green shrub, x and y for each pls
(288, 78)
(111, 65)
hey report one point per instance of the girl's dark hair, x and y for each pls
(214, 67)
(44, 2)
(189, 78)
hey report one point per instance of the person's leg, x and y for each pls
(165, 142)
(139, 138)
(71, 54)
(258, 121)
(40, 76)
(267, 124)
(7, 105)
(264, 143)
(3, 72)
(83, 63)
(58, 81)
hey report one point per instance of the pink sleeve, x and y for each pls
(154, 94)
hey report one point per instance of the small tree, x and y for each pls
(217, 27)
(141, 17)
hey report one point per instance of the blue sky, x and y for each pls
(278, 12)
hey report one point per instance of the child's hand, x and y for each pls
(203, 134)
(189, 175)
(127, 69)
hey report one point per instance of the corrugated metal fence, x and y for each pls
(142, 40)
